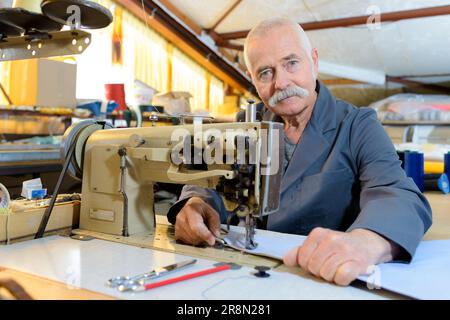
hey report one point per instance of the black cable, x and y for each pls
(69, 156)
(48, 212)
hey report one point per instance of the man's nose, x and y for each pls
(282, 80)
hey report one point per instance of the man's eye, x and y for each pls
(292, 64)
(265, 75)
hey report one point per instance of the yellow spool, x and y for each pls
(433, 167)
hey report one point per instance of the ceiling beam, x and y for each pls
(188, 21)
(340, 81)
(198, 29)
(416, 84)
(435, 75)
(224, 44)
(353, 21)
(229, 45)
(162, 22)
(226, 14)
(218, 40)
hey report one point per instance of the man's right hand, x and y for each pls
(197, 222)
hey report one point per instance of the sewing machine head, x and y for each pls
(242, 161)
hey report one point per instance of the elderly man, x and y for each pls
(343, 185)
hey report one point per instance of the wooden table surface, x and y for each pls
(43, 289)
(440, 204)
(40, 288)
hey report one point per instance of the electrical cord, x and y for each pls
(48, 211)
(69, 155)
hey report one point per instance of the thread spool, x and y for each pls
(414, 164)
(262, 272)
(401, 157)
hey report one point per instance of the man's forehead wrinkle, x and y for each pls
(275, 29)
(263, 57)
(291, 56)
(261, 67)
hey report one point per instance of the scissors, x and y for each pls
(125, 283)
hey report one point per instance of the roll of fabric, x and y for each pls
(434, 167)
(447, 164)
(414, 168)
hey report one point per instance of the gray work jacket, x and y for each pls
(344, 174)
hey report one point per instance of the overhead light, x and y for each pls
(20, 28)
(57, 44)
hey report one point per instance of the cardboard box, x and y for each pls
(174, 102)
(229, 107)
(43, 83)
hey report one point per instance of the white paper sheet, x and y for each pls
(272, 246)
(426, 277)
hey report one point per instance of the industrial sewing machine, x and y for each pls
(241, 161)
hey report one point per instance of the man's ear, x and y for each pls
(315, 58)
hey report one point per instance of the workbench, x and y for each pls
(63, 268)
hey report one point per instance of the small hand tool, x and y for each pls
(148, 286)
(126, 283)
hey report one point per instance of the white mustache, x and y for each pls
(280, 95)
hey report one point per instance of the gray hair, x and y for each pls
(280, 95)
(266, 25)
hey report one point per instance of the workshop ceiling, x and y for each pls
(410, 47)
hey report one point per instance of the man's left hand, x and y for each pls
(340, 257)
